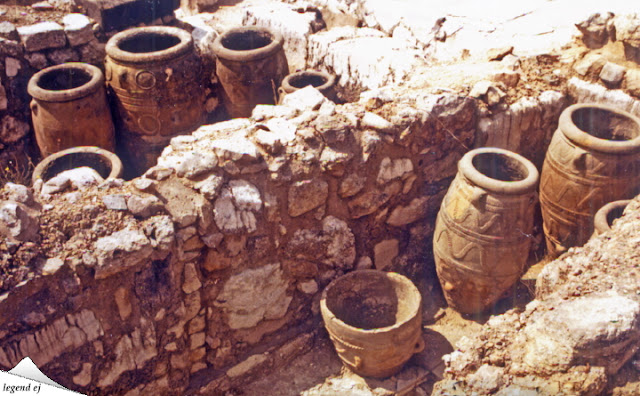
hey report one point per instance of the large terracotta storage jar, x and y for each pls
(593, 159)
(483, 229)
(606, 215)
(69, 108)
(374, 319)
(157, 81)
(250, 66)
(106, 163)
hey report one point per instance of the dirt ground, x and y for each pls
(27, 12)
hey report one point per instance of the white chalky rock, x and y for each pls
(254, 295)
(394, 169)
(235, 206)
(307, 98)
(78, 178)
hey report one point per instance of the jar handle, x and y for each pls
(34, 108)
(580, 160)
(357, 361)
(419, 345)
(478, 196)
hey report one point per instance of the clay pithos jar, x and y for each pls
(156, 78)
(483, 230)
(374, 319)
(592, 160)
(250, 66)
(322, 81)
(106, 163)
(69, 108)
(605, 216)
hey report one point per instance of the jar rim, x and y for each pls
(184, 44)
(96, 81)
(225, 53)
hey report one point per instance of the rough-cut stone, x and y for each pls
(52, 265)
(185, 206)
(235, 207)
(307, 98)
(12, 129)
(403, 215)
(591, 64)
(115, 201)
(83, 378)
(144, 206)
(191, 279)
(374, 121)
(394, 169)
(18, 193)
(295, 28)
(121, 250)
(189, 163)
(351, 185)
(586, 92)
(63, 55)
(247, 365)
(612, 74)
(307, 195)
(8, 31)
(78, 178)
(18, 221)
(4, 102)
(595, 30)
(78, 28)
(632, 82)
(333, 245)
(117, 15)
(37, 60)
(308, 287)
(384, 252)
(370, 201)
(43, 35)
(11, 67)
(11, 48)
(627, 31)
(253, 295)
(123, 301)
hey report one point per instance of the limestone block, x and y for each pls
(362, 58)
(586, 92)
(43, 35)
(18, 193)
(78, 28)
(591, 64)
(18, 221)
(307, 98)
(384, 252)
(248, 297)
(612, 74)
(121, 250)
(123, 301)
(632, 82)
(37, 60)
(185, 206)
(52, 265)
(371, 200)
(8, 31)
(78, 178)
(115, 201)
(332, 245)
(144, 206)
(403, 215)
(596, 29)
(295, 28)
(351, 185)
(63, 55)
(399, 168)
(307, 195)
(11, 67)
(191, 279)
(83, 378)
(374, 121)
(235, 206)
(11, 48)
(189, 163)
(627, 28)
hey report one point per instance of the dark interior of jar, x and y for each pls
(246, 40)
(369, 302)
(614, 214)
(605, 124)
(304, 79)
(500, 167)
(76, 160)
(63, 79)
(148, 42)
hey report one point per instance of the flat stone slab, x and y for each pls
(120, 14)
(41, 36)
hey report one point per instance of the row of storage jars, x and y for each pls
(484, 227)
(157, 86)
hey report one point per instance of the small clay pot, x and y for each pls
(483, 230)
(250, 66)
(322, 81)
(603, 220)
(69, 108)
(374, 319)
(592, 160)
(107, 164)
(156, 77)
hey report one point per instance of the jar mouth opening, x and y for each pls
(301, 80)
(148, 42)
(615, 213)
(604, 124)
(500, 167)
(246, 40)
(64, 79)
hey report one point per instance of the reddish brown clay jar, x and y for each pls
(483, 229)
(69, 108)
(250, 66)
(322, 81)
(593, 159)
(156, 78)
(374, 319)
